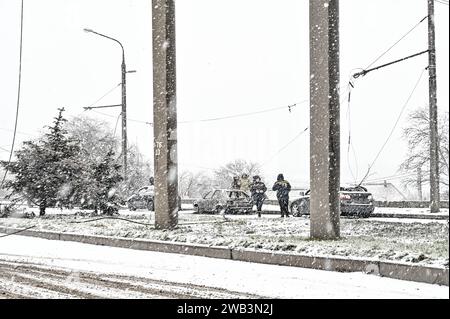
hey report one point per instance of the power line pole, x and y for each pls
(434, 154)
(325, 126)
(165, 114)
(124, 117)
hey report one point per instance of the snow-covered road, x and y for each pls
(40, 268)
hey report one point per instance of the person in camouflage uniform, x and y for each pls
(245, 183)
(258, 190)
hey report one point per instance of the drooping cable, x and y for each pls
(395, 125)
(18, 96)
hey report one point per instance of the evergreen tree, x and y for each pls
(45, 169)
(102, 188)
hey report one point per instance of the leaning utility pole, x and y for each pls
(325, 127)
(434, 143)
(165, 114)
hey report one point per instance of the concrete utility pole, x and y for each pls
(124, 117)
(165, 114)
(434, 142)
(325, 127)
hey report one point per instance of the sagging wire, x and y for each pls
(105, 95)
(350, 146)
(284, 147)
(289, 107)
(117, 123)
(392, 46)
(394, 127)
(18, 97)
(349, 88)
(363, 72)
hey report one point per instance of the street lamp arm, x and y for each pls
(105, 36)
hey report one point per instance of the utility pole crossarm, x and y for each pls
(364, 72)
(101, 107)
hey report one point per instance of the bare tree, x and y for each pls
(139, 170)
(194, 185)
(96, 139)
(417, 135)
(95, 136)
(223, 176)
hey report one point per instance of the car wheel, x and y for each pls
(151, 206)
(295, 209)
(299, 208)
(218, 209)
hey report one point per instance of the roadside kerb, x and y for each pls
(414, 273)
(410, 216)
(425, 274)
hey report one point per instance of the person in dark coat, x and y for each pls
(235, 185)
(282, 187)
(258, 190)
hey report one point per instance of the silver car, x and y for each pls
(230, 201)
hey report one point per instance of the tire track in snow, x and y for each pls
(63, 283)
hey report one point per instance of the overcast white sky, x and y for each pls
(234, 56)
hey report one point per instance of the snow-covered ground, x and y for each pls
(416, 241)
(40, 268)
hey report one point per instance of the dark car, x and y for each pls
(144, 198)
(355, 201)
(228, 200)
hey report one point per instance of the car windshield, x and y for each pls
(236, 195)
(207, 195)
(219, 194)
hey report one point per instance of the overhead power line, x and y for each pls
(395, 125)
(284, 147)
(17, 132)
(397, 42)
(105, 95)
(286, 107)
(388, 178)
(442, 2)
(18, 95)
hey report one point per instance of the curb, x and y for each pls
(430, 275)
(378, 215)
(412, 216)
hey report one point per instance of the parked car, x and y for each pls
(144, 198)
(355, 201)
(230, 200)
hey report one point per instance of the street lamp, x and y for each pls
(124, 100)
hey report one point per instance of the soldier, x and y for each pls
(258, 190)
(235, 185)
(245, 183)
(282, 188)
